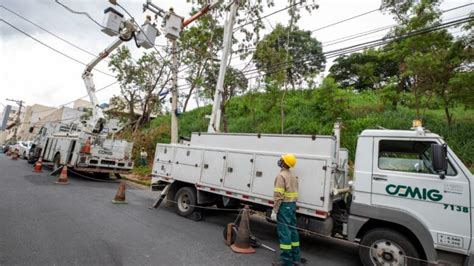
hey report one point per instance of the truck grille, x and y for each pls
(107, 162)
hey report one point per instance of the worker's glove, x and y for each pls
(273, 217)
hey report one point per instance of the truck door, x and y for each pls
(403, 179)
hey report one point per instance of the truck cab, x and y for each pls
(399, 195)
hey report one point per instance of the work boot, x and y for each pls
(302, 261)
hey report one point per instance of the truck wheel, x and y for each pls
(57, 161)
(185, 201)
(387, 247)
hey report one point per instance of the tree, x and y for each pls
(331, 102)
(249, 21)
(121, 63)
(461, 86)
(141, 83)
(199, 46)
(235, 83)
(428, 61)
(279, 55)
(368, 70)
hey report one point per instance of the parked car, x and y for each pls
(24, 149)
(5, 148)
(14, 147)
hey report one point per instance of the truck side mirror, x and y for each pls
(440, 161)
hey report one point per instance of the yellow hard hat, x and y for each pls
(289, 159)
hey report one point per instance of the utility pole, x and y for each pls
(215, 120)
(173, 26)
(17, 120)
(174, 92)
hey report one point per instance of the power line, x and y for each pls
(456, 7)
(355, 48)
(55, 35)
(344, 20)
(64, 104)
(370, 44)
(360, 34)
(146, 36)
(271, 14)
(79, 13)
(52, 48)
(375, 30)
(357, 35)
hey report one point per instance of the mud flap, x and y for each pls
(162, 197)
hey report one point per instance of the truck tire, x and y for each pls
(387, 247)
(185, 201)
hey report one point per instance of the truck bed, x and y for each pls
(244, 166)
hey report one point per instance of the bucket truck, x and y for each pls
(84, 146)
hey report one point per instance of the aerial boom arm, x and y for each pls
(97, 122)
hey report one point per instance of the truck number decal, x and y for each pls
(456, 208)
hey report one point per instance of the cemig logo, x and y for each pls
(414, 192)
(105, 152)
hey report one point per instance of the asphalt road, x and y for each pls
(42, 223)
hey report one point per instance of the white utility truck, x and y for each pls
(65, 145)
(410, 196)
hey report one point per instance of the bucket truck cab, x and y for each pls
(396, 186)
(410, 201)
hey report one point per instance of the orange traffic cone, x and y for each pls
(242, 241)
(15, 155)
(62, 180)
(120, 196)
(38, 165)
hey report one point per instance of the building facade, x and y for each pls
(33, 114)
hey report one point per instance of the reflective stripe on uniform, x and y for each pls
(285, 247)
(295, 244)
(291, 194)
(279, 190)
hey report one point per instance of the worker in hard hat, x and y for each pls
(285, 195)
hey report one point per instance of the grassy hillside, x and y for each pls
(314, 112)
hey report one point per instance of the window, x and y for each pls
(408, 156)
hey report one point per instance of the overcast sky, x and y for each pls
(36, 74)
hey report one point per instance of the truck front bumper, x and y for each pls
(102, 170)
(88, 163)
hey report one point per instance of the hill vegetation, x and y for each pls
(314, 111)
